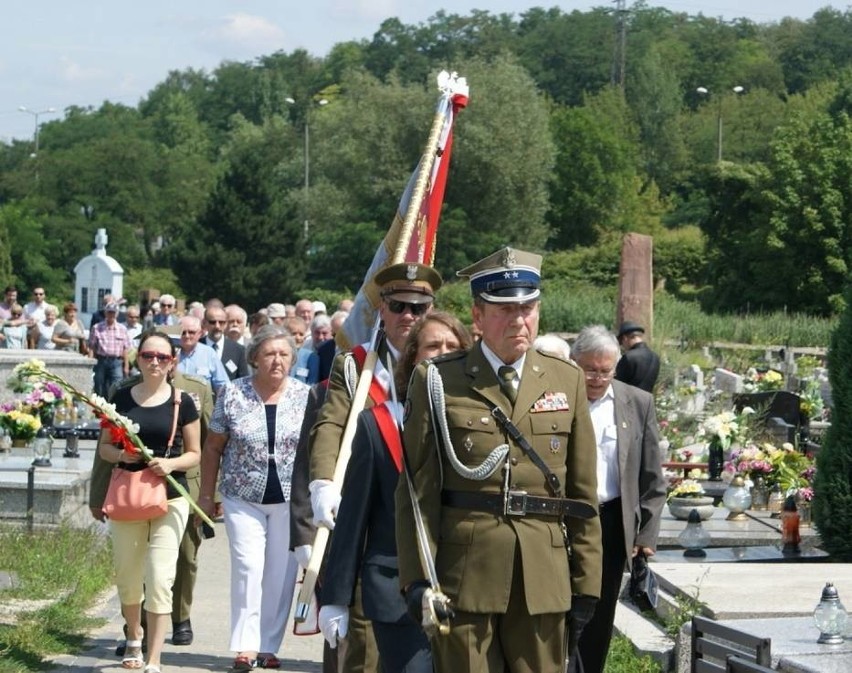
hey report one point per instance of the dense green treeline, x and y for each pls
(202, 186)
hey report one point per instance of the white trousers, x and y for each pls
(263, 574)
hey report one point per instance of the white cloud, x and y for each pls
(246, 33)
(71, 71)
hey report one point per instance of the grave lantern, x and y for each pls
(42, 445)
(830, 616)
(737, 499)
(694, 538)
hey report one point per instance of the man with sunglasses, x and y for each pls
(502, 452)
(407, 292)
(166, 316)
(110, 345)
(232, 354)
(197, 358)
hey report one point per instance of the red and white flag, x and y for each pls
(427, 184)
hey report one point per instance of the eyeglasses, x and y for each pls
(166, 305)
(150, 356)
(189, 332)
(599, 376)
(217, 322)
(130, 315)
(399, 307)
(38, 294)
(16, 315)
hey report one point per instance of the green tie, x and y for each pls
(507, 375)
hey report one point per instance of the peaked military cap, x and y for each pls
(506, 276)
(409, 281)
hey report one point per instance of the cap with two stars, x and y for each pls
(506, 276)
(409, 282)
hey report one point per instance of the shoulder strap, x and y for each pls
(377, 393)
(515, 433)
(176, 407)
(389, 432)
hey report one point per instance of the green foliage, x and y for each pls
(687, 605)
(69, 567)
(622, 658)
(832, 504)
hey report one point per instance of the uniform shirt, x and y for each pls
(602, 412)
(109, 341)
(203, 362)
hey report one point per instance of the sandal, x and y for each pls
(132, 658)
(243, 663)
(268, 661)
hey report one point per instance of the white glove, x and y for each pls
(334, 623)
(325, 499)
(303, 554)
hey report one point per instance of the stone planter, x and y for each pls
(681, 507)
(20, 443)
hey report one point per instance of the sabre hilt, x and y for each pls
(437, 613)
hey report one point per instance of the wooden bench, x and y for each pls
(713, 643)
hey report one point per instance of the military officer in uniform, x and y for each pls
(187, 564)
(494, 511)
(407, 292)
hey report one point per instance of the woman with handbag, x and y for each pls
(254, 432)
(145, 549)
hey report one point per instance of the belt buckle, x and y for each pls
(515, 503)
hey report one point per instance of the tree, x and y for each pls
(832, 506)
(247, 245)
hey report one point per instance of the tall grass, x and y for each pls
(569, 308)
(69, 565)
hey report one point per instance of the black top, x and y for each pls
(155, 428)
(273, 493)
(639, 367)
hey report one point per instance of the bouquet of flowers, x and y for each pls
(755, 381)
(122, 431)
(726, 427)
(687, 488)
(19, 421)
(782, 465)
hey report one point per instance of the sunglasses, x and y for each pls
(16, 315)
(217, 322)
(399, 307)
(188, 332)
(38, 294)
(150, 356)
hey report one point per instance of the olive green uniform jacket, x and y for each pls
(475, 551)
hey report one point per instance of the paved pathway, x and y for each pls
(211, 624)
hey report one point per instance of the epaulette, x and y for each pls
(558, 359)
(194, 378)
(448, 357)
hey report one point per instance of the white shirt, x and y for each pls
(602, 412)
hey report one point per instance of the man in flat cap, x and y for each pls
(502, 501)
(639, 366)
(407, 292)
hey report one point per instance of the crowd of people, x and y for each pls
(507, 455)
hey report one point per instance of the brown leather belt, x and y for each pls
(518, 503)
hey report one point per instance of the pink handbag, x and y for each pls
(139, 495)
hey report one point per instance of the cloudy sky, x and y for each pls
(58, 53)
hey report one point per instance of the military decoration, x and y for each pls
(551, 402)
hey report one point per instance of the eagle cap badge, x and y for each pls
(411, 272)
(509, 260)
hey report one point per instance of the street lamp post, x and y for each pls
(706, 92)
(320, 102)
(36, 114)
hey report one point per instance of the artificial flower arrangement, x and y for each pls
(784, 465)
(122, 431)
(726, 427)
(755, 381)
(686, 488)
(19, 420)
(40, 397)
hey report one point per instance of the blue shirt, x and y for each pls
(306, 367)
(203, 361)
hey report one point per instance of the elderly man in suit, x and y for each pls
(232, 354)
(631, 487)
(499, 509)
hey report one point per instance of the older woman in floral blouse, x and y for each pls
(254, 431)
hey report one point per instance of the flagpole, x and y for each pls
(414, 206)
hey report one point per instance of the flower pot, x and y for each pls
(681, 507)
(20, 443)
